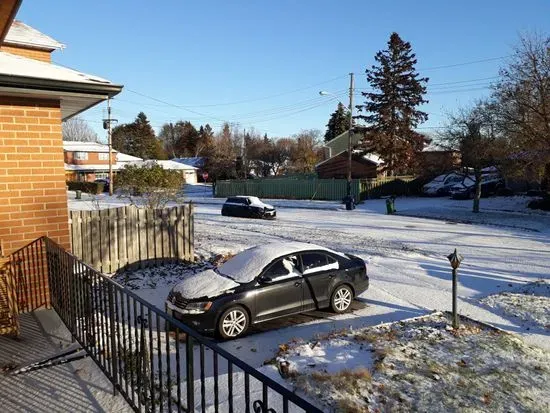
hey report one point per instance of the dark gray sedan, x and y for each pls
(267, 282)
(248, 207)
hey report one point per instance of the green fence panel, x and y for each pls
(288, 188)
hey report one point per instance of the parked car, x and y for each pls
(442, 184)
(248, 207)
(490, 185)
(267, 282)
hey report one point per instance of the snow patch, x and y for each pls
(247, 265)
(207, 284)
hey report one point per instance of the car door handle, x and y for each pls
(297, 283)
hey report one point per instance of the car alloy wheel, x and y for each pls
(233, 322)
(341, 299)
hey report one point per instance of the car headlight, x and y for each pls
(198, 307)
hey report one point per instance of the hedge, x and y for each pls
(89, 187)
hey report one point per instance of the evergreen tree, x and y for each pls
(138, 139)
(205, 144)
(338, 122)
(391, 109)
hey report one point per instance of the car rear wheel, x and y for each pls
(233, 322)
(341, 299)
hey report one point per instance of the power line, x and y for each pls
(491, 59)
(176, 106)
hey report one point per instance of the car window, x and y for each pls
(454, 179)
(283, 268)
(235, 200)
(315, 262)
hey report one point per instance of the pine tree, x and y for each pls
(138, 139)
(338, 122)
(391, 109)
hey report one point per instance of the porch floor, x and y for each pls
(79, 386)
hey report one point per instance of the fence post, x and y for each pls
(112, 333)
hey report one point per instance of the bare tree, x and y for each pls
(523, 103)
(304, 154)
(472, 132)
(77, 129)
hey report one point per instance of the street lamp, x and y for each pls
(455, 259)
(350, 131)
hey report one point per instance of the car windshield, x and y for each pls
(438, 179)
(454, 179)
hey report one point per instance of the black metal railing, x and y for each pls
(157, 363)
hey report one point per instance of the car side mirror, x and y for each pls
(264, 279)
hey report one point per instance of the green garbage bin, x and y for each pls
(390, 205)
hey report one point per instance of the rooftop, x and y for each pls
(31, 78)
(123, 157)
(196, 161)
(75, 146)
(24, 35)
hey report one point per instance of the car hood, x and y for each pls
(261, 204)
(207, 284)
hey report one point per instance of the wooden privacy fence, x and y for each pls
(111, 239)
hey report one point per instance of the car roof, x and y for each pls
(247, 265)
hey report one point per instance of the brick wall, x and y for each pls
(33, 199)
(93, 159)
(36, 54)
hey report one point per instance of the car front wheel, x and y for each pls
(341, 299)
(233, 322)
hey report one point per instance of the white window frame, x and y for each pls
(103, 156)
(80, 156)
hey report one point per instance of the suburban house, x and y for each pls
(433, 160)
(363, 166)
(197, 162)
(436, 160)
(88, 161)
(335, 164)
(35, 97)
(188, 172)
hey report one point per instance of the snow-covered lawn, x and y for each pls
(420, 364)
(409, 272)
(529, 303)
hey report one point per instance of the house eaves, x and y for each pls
(8, 10)
(77, 91)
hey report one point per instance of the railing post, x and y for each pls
(190, 373)
(112, 327)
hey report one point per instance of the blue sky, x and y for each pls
(261, 64)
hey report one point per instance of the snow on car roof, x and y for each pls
(247, 265)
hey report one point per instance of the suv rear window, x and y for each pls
(236, 200)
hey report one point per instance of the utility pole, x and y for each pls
(243, 153)
(350, 131)
(110, 147)
(107, 125)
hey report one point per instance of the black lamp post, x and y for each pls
(455, 259)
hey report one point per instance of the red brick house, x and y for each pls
(35, 97)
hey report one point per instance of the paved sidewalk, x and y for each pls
(75, 387)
